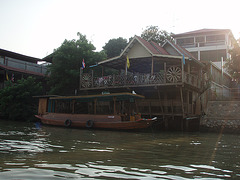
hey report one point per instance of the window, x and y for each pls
(200, 39)
(215, 38)
(185, 41)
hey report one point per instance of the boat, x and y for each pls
(117, 111)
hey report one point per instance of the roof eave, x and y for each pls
(168, 56)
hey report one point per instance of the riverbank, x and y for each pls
(221, 116)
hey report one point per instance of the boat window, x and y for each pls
(81, 108)
(63, 107)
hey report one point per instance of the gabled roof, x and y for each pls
(152, 47)
(201, 31)
(159, 48)
(182, 51)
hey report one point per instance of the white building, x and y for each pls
(207, 44)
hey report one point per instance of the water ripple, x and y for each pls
(62, 153)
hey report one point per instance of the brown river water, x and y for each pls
(30, 151)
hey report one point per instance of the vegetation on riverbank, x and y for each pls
(17, 102)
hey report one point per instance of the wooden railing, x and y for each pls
(138, 79)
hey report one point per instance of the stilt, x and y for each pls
(161, 104)
(182, 124)
(181, 94)
(186, 124)
(165, 122)
(150, 111)
(183, 115)
(172, 109)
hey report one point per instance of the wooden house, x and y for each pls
(168, 76)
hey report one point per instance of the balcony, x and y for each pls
(22, 66)
(204, 44)
(139, 80)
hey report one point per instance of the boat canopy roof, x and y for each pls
(100, 97)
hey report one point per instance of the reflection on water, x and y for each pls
(33, 152)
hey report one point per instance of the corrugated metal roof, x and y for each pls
(148, 45)
(159, 48)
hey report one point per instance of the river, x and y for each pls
(30, 151)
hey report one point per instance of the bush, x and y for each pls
(16, 99)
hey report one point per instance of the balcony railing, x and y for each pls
(133, 80)
(23, 66)
(203, 44)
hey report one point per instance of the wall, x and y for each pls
(222, 116)
(138, 51)
(219, 92)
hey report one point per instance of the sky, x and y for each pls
(37, 27)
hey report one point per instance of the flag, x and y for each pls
(183, 59)
(7, 76)
(83, 64)
(12, 79)
(128, 62)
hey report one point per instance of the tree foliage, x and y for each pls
(114, 47)
(67, 61)
(233, 64)
(17, 102)
(154, 34)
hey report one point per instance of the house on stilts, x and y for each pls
(175, 83)
(170, 78)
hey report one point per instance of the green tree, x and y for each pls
(114, 47)
(154, 34)
(16, 99)
(66, 64)
(233, 64)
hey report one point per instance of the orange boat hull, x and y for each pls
(93, 121)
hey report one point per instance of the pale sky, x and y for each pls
(37, 27)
